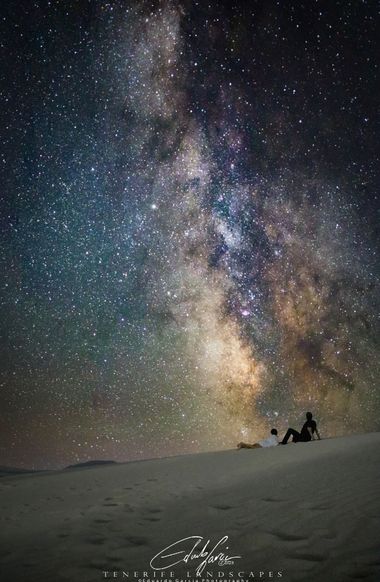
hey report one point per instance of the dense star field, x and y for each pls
(189, 224)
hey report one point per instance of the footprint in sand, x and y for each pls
(325, 534)
(362, 575)
(136, 541)
(153, 510)
(315, 507)
(114, 559)
(320, 508)
(242, 522)
(222, 507)
(288, 537)
(308, 557)
(96, 541)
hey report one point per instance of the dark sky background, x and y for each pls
(189, 224)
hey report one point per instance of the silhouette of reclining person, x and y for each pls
(307, 433)
(271, 441)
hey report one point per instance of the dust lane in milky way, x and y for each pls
(189, 237)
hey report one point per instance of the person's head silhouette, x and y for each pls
(309, 416)
(274, 431)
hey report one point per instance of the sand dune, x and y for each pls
(90, 464)
(309, 511)
(6, 471)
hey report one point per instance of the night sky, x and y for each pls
(189, 224)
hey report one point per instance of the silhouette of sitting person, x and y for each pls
(307, 433)
(271, 441)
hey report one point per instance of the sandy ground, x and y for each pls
(310, 511)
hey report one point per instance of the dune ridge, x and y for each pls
(309, 511)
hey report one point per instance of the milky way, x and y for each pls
(189, 226)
